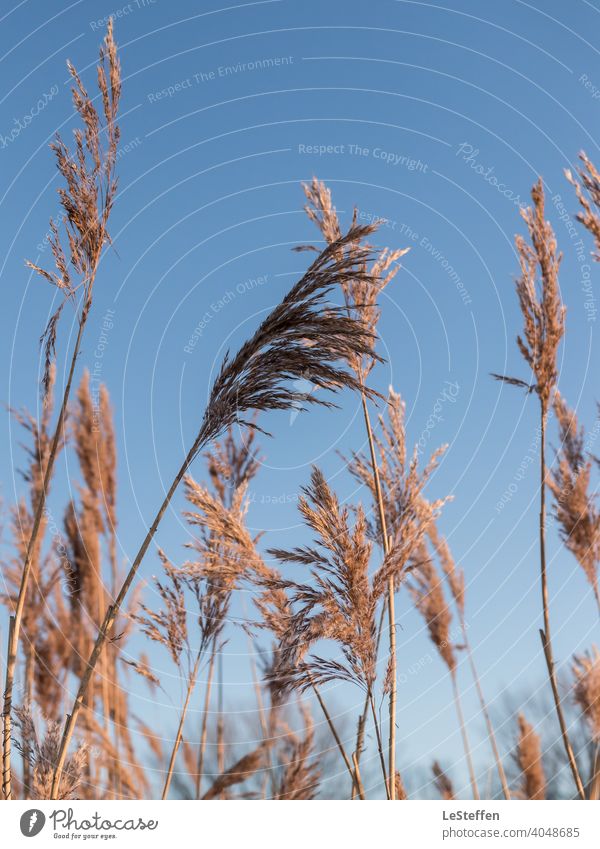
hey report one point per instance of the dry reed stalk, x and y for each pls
(586, 671)
(402, 516)
(299, 339)
(427, 592)
(169, 627)
(529, 759)
(243, 769)
(87, 202)
(227, 551)
(588, 195)
(386, 780)
(275, 608)
(442, 783)
(299, 772)
(456, 583)
(575, 506)
(361, 300)
(43, 753)
(204, 729)
(179, 736)
(543, 328)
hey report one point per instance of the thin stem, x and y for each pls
(15, 632)
(390, 606)
(560, 715)
(264, 726)
(111, 615)
(220, 722)
(545, 633)
(594, 782)
(204, 731)
(379, 746)
(355, 778)
(179, 735)
(362, 720)
(465, 738)
(486, 714)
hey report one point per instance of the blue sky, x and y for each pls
(436, 118)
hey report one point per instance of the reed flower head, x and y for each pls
(539, 298)
(407, 513)
(42, 755)
(427, 591)
(575, 506)
(587, 188)
(299, 769)
(529, 760)
(586, 671)
(338, 605)
(88, 171)
(361, 293)
(302, 339)
(442, 783)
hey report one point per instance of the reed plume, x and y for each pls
(362, 301)
(575, 506)
(299, 769)
(88, 171)
(243, 769)
(42, 754)
(586, 672)
(543, 328)
(301, 338)
(586, 691)
(442, 783)
(426, 588)
(586, 182)
(528, 756)
(456, 583)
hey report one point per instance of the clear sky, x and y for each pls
(435, 117)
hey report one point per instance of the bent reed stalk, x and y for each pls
(87, 200)
(299, 339)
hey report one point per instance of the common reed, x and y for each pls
(543, 313)
(88, 171)
(586, 692)
(361, 296)
(426, 588)
(72, 613)
(442, 783)
(528, 756)
(586, 182)
(455, 578)
(298, 339)
(575, 505)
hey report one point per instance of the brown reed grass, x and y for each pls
(87, 199)
(528, 756)
(299, 339)
(538, 292)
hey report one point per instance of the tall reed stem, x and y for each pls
(380, 746)
(15, 630)
(204, 731)
(486, 714)
(179, 735)
(464, 735)
(109, 619)
(390, 604)
(355, 778)
(545, 633)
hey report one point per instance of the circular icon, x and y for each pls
(32, 822)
